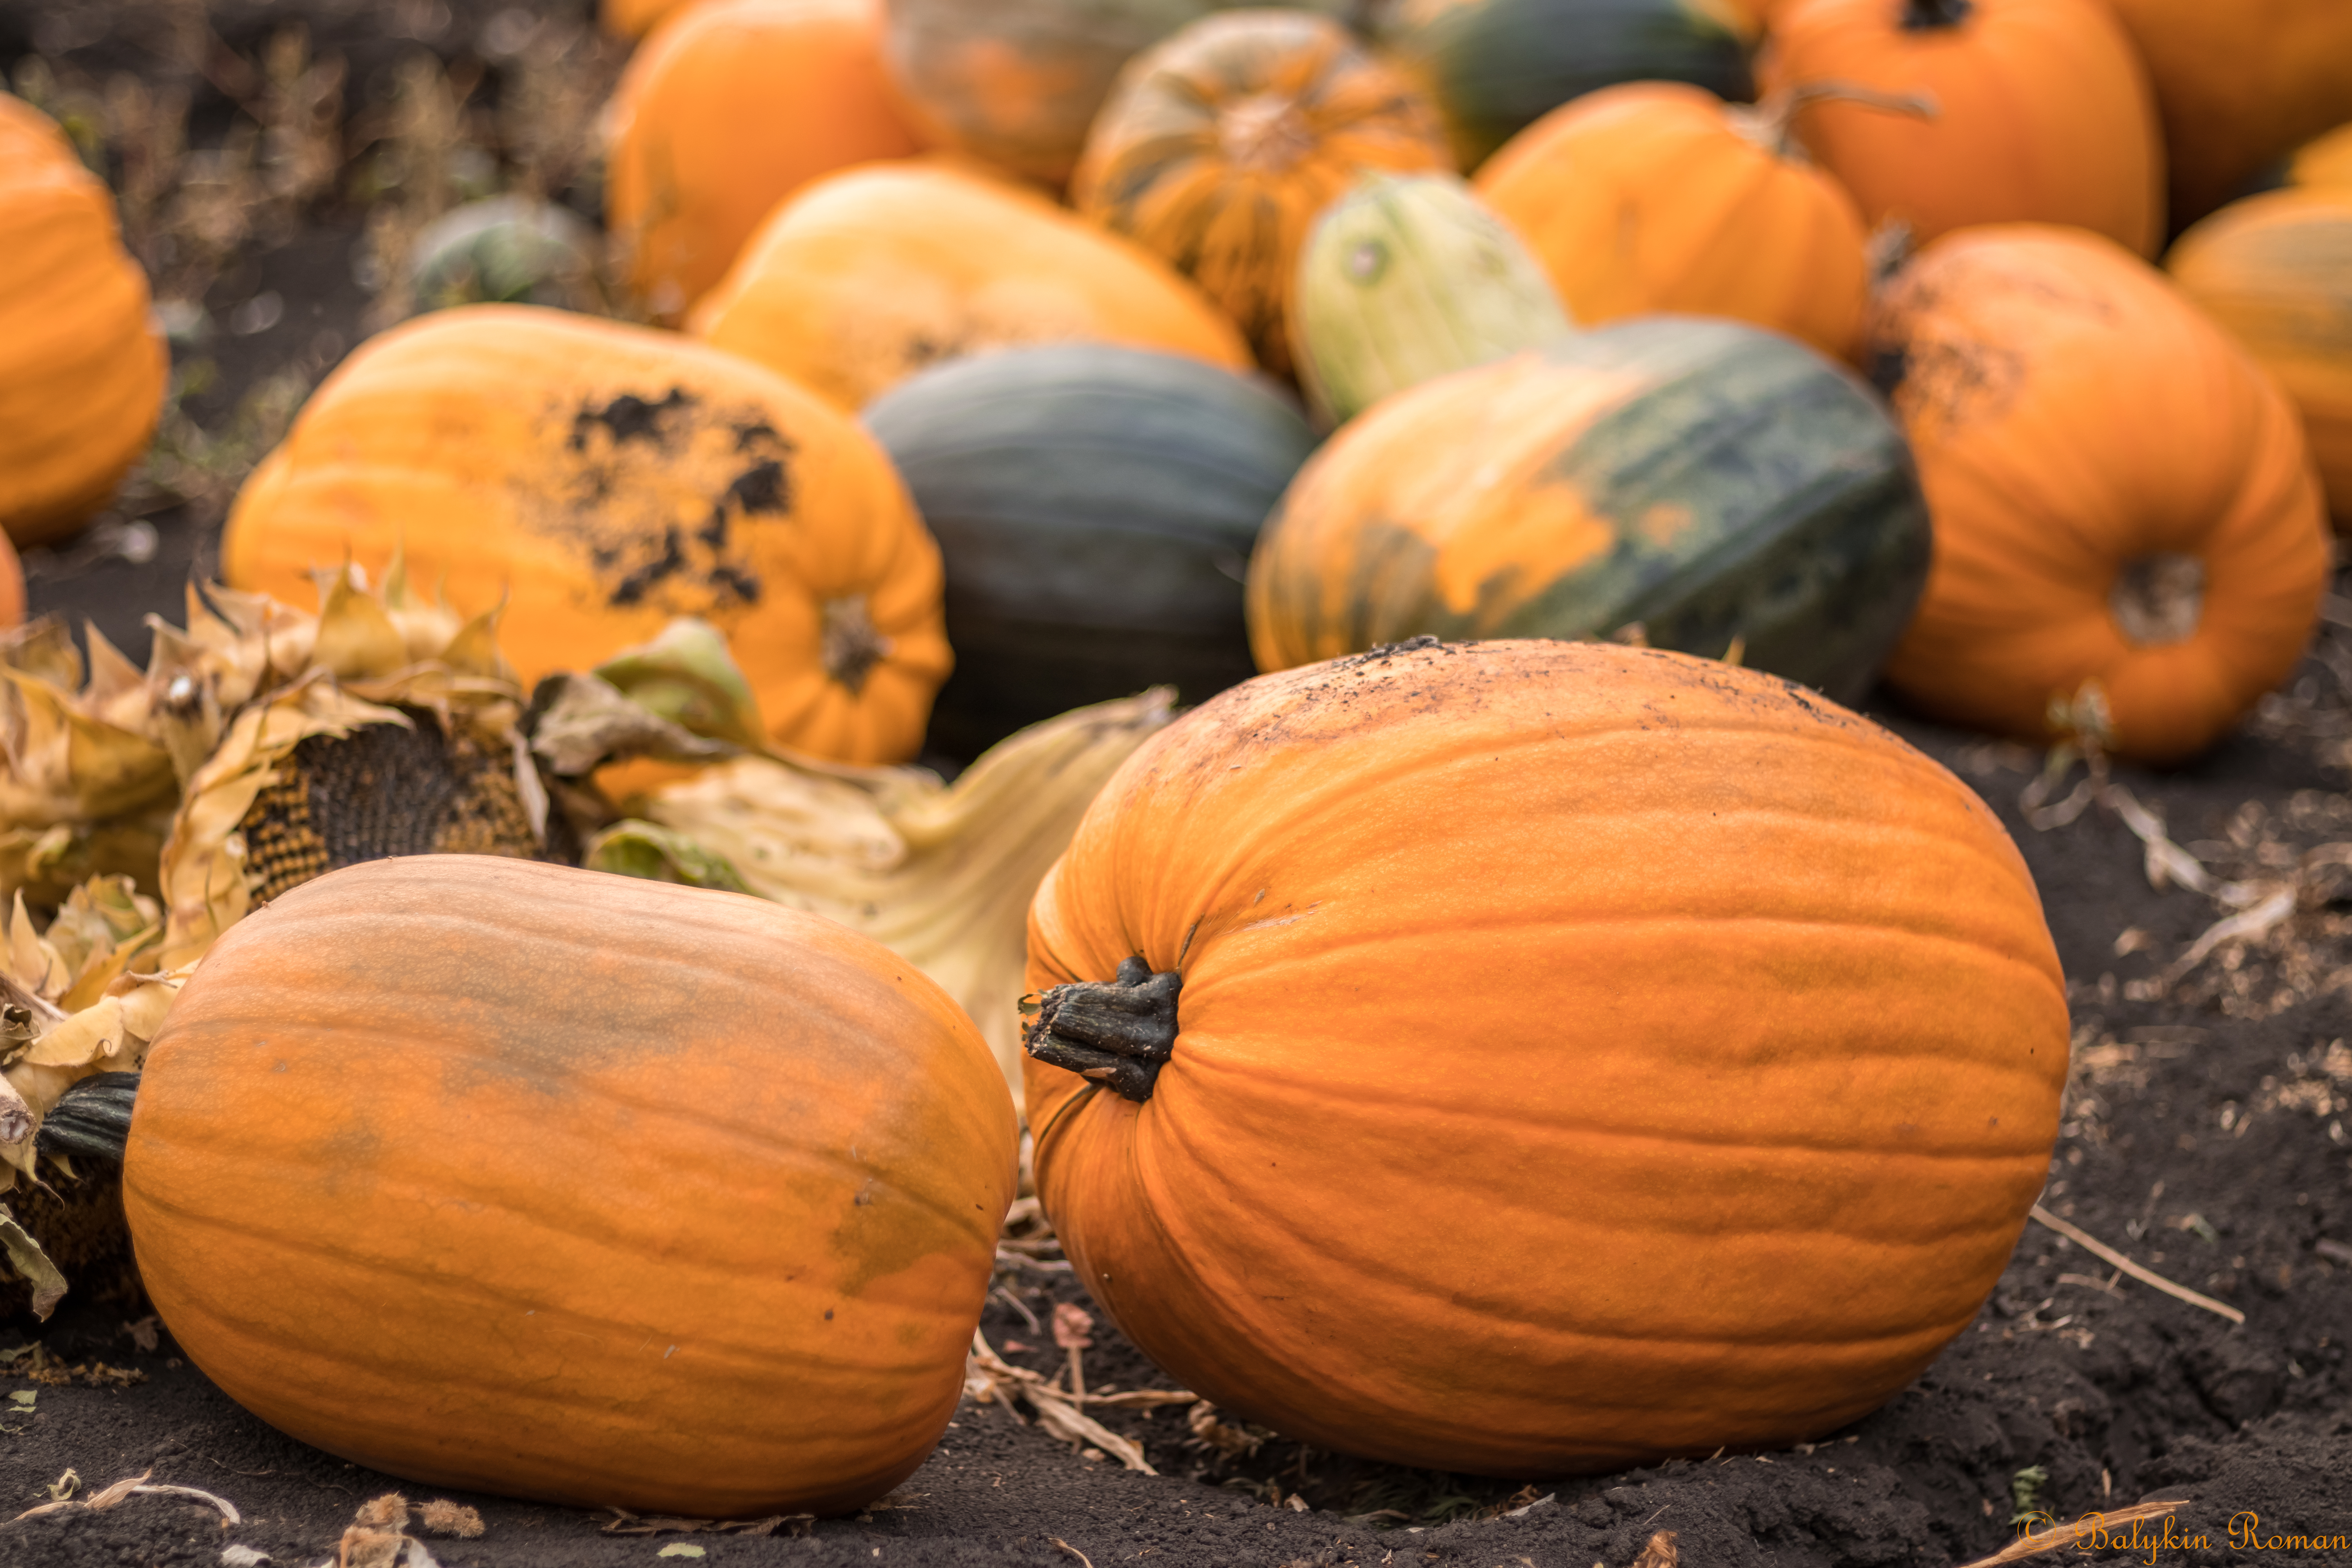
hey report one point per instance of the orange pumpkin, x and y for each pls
(1660, 197)
(81, 368)
(2043, 113)
(871, 275)
(688, 1201)
(725, 114)
(2129, 536)
(1220, 147)
(2324, 160)
(2277, 270)
(2239, 83)
(12, 586)
(1016, 83)
(600, 479)
(1445, 930)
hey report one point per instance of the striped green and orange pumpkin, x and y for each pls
(1693, 484)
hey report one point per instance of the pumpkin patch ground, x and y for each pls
(2207, 1132)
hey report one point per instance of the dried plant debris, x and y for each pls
(788, 1525)
(379, 1535)
(123, 1491)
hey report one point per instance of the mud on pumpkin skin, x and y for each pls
(603, 480)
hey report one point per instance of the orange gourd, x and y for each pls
(871, 275)
(2238, 84)
(2043, 113)
(600, 479)
(81, 367)
(12, 586)
(688, 1201)
(727, 113)
(1445, 930)
(1220, 145)
(2277, 270)
(2130, 540)
(1016, 83)
(1660, 197)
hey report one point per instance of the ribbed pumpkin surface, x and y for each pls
(1220, 144)
(725, 114)
(1585, 1055)
(1095, 508)
(1495, 66)
(530, 1180)
(2123, 501)
(603, 478)
(873, 274)
(1702, 481)
(82, 370)
(2277, 270)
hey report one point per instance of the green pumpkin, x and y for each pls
(1095, 507)
(1497, 66)
(506, 250)
(1679, 481)
(1406, 278)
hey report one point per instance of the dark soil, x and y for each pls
(2206, 1135)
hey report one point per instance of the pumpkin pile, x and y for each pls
(1518, 430)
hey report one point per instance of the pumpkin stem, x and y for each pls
(2158, 600)
(1773, 124)
(1265, 130)
(1926, 15)
(1117, 1033)
(851, 645)
(91, 1119)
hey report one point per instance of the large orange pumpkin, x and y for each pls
(2129, 535)
(1660, 197)
(871, 275)
(727, 113)
(2043, 113)
(2277, 270)
(12, 586)
(524, 1179)
(2239, 83)
(1469, 1115)
(1016, 83)
(1220, 146)
(81, 368)
(2324, 160)
(601, 479)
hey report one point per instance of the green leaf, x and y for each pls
(688, 676)
(634, 848)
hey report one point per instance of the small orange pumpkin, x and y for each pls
(635, 18)
(1723, 1160)
(1660, 197)
(1016, 83)
(2043, 113)
(1220, 145)
(81, 367)
(2129, 537)
(725, 114)
(2277, 270)
(873, 274)
(601, 479)
(688, 1201)
(2239, 83)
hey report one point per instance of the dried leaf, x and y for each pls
(633, 848)
(686, 676)
(442, 1516)
(584, 723)
(25, 1255)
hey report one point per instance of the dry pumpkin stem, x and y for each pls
(1117, 1033)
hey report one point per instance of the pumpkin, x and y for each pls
(508, 250)
(1095, 507)
(869, 276)
(1694, 484)
(725, 113)
(81, 367)
(2043, 113)
(635, 18)
(1407, 277)
(2277, 270)
(1659, 197)
(12, 586)
(1220, 144)
(687, 1201)
(1469, 1115)
(1495, 67)
(2324, 160)
(601, 479)
(2239, 85)
(1016, 83)
(2130, 542)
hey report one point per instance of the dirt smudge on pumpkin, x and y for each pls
(664, 491)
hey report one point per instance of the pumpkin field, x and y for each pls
(1087, 781)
